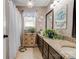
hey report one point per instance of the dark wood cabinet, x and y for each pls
(44, 56)
(40, 43)
(51, 56)
(47, 51)
(54, 54)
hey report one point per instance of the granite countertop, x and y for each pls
(58, 44)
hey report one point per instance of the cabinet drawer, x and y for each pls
(45, 45)
(40, 42)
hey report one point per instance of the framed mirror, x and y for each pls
(49, 20)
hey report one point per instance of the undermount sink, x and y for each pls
(68, 46)
(70, 50)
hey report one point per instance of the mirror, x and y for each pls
(49, 20)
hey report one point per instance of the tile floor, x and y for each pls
(30, 53)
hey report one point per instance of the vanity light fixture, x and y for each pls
(58, 1)
(51, 6)
(30, 4)
(54, 4)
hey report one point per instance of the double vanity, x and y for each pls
(56, 49)
(50, 48)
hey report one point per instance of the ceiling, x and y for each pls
(35, 2)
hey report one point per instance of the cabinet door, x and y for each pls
(50, 56)
(46, 49)
(40, 43)
(44, 56)
(54, 53)
(46, 52)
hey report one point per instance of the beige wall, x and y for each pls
(69, 4)
(41, 12)
(68, 30)
(40, 18)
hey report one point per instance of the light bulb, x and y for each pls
(30, 4)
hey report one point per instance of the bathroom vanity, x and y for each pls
(53, 49)
(47, 51)
(50, 48)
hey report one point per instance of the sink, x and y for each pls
(68, 46)
(70, 50)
